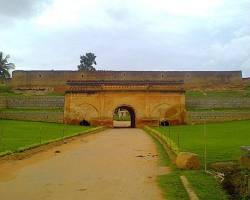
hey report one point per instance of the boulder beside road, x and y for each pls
(187, 160)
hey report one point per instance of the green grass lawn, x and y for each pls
(223, 139)
(18, 135)
(6, 91)
(205, 186)
(31, 109)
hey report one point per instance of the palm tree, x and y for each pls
(5, 66)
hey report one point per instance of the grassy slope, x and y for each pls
(220, 94)
(6, 91)
(31, 109)
(223, 139)
(16, 135)
(204, 185)
(170, 184)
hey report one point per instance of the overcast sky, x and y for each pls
(127, 34)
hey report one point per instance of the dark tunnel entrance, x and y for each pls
(123, 117)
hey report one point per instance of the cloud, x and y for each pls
(230, 56)
(12, 11)
(20, 8)
(131, 34)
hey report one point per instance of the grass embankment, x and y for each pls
(203, 184)
(17, 136)
(6, 91)
(223, 139)
(31, 109)
(245, 92)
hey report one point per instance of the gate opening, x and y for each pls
(124, 117)
(164, 123)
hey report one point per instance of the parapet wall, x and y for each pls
(57, 79)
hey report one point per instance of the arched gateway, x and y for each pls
(124, 113)
(149, 102)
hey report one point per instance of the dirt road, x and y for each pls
(114, 164)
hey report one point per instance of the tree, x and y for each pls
(86, 62)
(5, 66)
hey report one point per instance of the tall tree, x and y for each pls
(86, 62)
(5, 66)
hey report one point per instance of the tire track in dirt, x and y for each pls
(113, 164)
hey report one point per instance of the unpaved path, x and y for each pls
(114, 164)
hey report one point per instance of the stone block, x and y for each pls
(187, 160)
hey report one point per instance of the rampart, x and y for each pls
(56, 80)
(210, 109)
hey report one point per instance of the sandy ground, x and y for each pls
(121, 123)
(113, 164)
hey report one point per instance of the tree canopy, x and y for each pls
(5, 66)
(87, 61)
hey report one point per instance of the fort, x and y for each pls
(57, 80)
(150, 97)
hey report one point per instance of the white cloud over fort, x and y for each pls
(127, 35)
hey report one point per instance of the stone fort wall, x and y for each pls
(232, 108)
(56, 80)
(148, 107)
(57, 102)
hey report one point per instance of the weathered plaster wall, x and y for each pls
(150, 107)
(56, 80)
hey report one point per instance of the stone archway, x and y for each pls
(131, 112)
